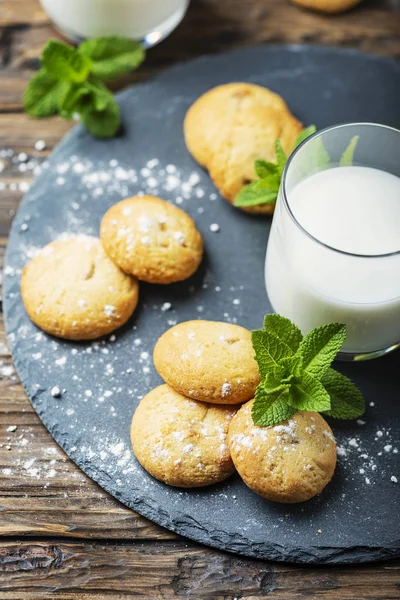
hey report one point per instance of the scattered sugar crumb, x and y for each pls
(61, 361)
(40, 145)
(109, 310)
(226, 389)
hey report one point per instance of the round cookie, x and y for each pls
(290, 462)
(328, 6)
(230, 126)
(72, 290)
(152, 239)
(208, 361)
(182, 442)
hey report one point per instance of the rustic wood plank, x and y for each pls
(21, 12)
(72, 570)
(21, 131)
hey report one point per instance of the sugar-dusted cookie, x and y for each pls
(180, 441)
(328, 6)
(208, 361)
(290, 462)
(71, 289)
(152, 239)
(230, 126)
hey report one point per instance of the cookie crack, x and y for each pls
(90, 272)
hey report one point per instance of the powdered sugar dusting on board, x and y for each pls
(106, 182)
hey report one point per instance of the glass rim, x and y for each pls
(286, 201)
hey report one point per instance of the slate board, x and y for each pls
(357, 515)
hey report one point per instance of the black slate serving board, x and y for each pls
(356, 518)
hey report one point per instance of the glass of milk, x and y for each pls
(148, 21)
(334, 248)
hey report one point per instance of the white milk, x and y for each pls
(132, 18)
(355, 210)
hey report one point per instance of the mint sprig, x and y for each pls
(70, 82)
(296, 373)
(264, 190)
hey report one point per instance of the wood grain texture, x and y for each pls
(76, 570)
(61, 536)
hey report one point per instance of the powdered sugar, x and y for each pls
(109, 310)
(226, 389)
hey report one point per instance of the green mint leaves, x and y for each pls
(44, 95)
(346, 159)
(296, 373)
(65, 63)
(265, 189)
(70, 82)
(112, 56)
(319, 348)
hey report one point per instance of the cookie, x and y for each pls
(290, 462)
(208, 361)
(72, 290)
(230, 126)
(152, 239)
(182, 442)
(328, 6)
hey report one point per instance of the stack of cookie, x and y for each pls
(81, 287)
(231, 126)
(192, 432)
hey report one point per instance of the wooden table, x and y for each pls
(63, 537)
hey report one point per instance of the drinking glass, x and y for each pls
(147, 21)
(313, 283)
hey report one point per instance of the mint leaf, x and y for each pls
(270, 182)
(303, 135)
(255, 194)
(319, 348)
(101, 96)
(346, 159)
(290, 367)
(264, 168)
(281, 157)
(269, 350)
(285, 373)
(112, 56)
(347, 401)
(284, 329)
(102, 123)
(65, 63)
(314, 156)
(309, 394)
(44, 95)
(265, 414)
(77, 99)
(82, 96)
(268, 396)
